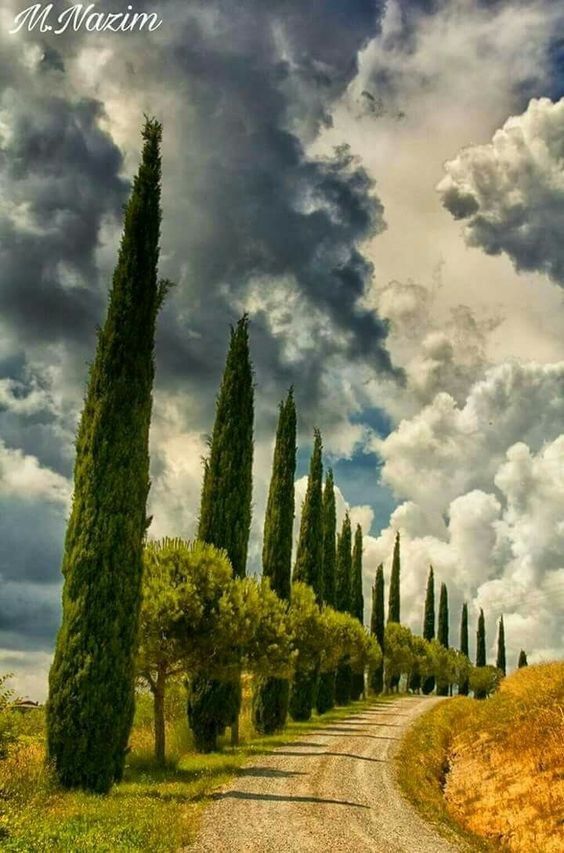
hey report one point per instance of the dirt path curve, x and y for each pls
(331, 791)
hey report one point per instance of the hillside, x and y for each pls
(496, 767)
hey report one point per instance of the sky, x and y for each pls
(381, 187)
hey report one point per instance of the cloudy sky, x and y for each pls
(381, 187)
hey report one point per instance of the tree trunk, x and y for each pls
(159, 714)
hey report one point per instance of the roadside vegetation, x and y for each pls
(155, 808)
(494, 768)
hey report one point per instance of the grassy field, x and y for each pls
(494, 768)
(152, 809)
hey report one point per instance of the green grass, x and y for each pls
(151, 810)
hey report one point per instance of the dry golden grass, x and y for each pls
(495, 767)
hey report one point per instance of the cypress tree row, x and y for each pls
(481, 649)
(270, 706)
(308, 566)
(308, 569)
(225, 520)
(442, 632)
(428, 684)
(522, 660)
(394, 596)
(325, 699)
(91, 683)
(343, 602)
(394, 599)
(463, 686)
(377, 627)
(357, 605)
(500, 662)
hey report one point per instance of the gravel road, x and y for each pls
(331, 791)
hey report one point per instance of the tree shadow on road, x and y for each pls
(280, 798)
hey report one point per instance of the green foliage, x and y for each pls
(398, 653)
(329, 540)
(463, 684)
(212, 705)
(377, 628)
(225, 511)
(344, 568)
(357, 605)
(309, 635)
(442, 637)
(270, 705)
(91, 684)
(481, 641)
(325, 699)
(308, 567)
(484, 680)
(8, 728)
(279, 518)
(522, 659)
(428, 684)
(500, 661)
(394, 599)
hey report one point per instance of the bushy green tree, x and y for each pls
(398, 654)
(428, 684)
(92, 678)
(522, 660)
(308, 636)
(325, 699)
(225, 509)
(343, 681)
(309, 557)
(500, 661)
(377, 627)
(357, 602)
(484, 680)
(270, 701)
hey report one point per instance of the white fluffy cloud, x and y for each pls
(511, 191)
(21, 476)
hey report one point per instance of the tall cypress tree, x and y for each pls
(270, 706)
(463, 686)
(91, 683)
(394, 596)
(225, 517)
(442, 632)
(308, 566)
(480, 649)
(326, 688)
(225, 511)
(429, 625)
(394, 599)
(522, 659)
(343, 603)
(500, 662)
(329, 540)
(357, 604)
(308, 569)
(377, 627)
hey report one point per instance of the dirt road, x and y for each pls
(329, 792)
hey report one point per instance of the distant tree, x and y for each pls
(308, 566)
(522, 660)
(463, 684)
(394, 596)
(428, 684)
(442, 633)
(484, 680)
(270, 704)
(480, 655)
(225, 509)
(500, 661)
(343, 681)
(377, 627)
(398, 654)
(92, 679)
(325, 699)
(357, 602)
(394, 599)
